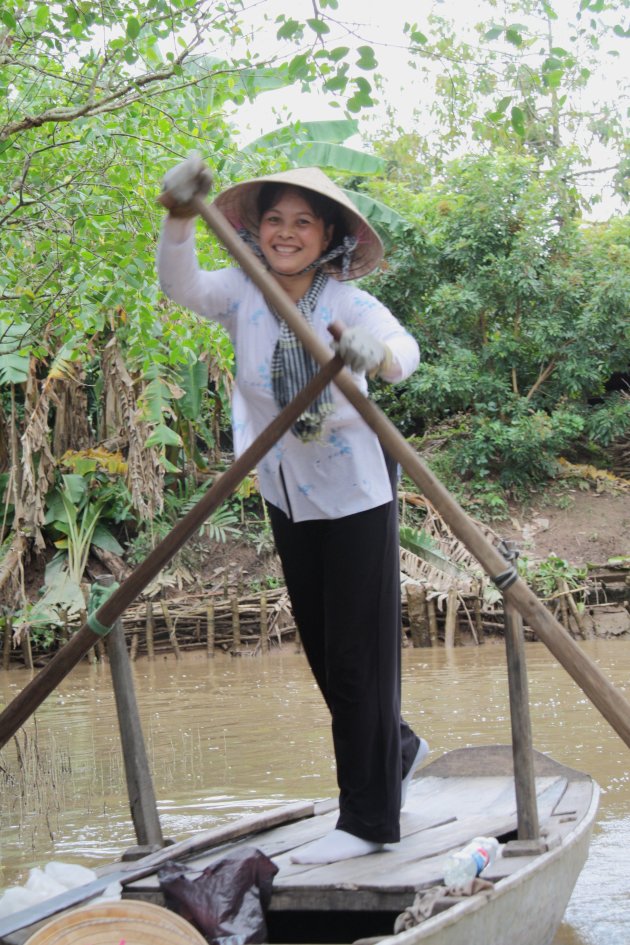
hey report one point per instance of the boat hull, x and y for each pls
(465, 793)
(523, 909)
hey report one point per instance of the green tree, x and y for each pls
(523, 78)
(99, 100)
(522, 316)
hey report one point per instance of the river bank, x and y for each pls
(235, 599)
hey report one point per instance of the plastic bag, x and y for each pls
(227, 901)
(54, 879)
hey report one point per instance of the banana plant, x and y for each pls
(427, 549)
(75, 512)
(321, 144)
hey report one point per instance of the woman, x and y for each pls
(329, 488)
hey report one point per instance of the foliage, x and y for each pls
(526, 79)
(180, 499)
(100, 99)
(40, 620)
(425, 547)
(609, 420)
(521, 312)
(76, 511)
(544, 577)
(521, 315)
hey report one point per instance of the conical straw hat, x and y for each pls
(239, 205)
(110, 923)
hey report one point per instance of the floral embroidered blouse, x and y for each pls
(344, 471)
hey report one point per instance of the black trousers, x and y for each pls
(343, 579)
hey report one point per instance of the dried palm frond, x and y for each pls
(600, 477)
(145, 473)
(11, 568)
(442, 561)
(280, 616)
(38, 464)
(72, 419)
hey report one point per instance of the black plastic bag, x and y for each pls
(227, 901)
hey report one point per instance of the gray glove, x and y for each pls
(189, 179)
(361, 351)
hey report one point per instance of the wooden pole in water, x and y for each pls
(172, 635)
(150, 627)
(433, 622)
(264, 625)
(142, 803)
(236, 626)
(418, 616)
(31, 697)
(210, 630)
(607, 699)
(451, 618)
(522, 741)
(27, 653)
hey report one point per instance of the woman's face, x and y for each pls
(291, 236)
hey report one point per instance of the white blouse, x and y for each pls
(342, 472)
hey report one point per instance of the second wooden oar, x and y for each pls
(34, 693)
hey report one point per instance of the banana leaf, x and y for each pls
(423, 546)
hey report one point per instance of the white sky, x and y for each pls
(381, 25)
(378, 24)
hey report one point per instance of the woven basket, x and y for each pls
(111, 923)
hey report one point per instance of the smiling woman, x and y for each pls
(329, 487)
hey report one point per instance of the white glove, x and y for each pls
(361, 351)
(189, 179)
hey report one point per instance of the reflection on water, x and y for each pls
(228, 736)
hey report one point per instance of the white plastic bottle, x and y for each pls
(469, 862)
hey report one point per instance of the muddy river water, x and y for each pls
(228, 736)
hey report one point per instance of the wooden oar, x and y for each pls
(610, 701)
(34, 693)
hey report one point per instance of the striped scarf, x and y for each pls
(292, 367)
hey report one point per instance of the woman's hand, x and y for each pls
(182, 183)
(361, 351)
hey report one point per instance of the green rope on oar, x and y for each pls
(99, 593)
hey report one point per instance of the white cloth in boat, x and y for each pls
(436, 900)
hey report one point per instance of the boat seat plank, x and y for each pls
(273, 843)
(397, 865)
(419, 858)
(418, 861)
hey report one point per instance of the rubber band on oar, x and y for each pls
(99, 593)
(506, 578)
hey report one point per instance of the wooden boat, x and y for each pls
(466, 793)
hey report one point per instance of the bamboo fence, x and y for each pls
(436, 612)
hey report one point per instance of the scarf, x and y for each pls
(292, 367)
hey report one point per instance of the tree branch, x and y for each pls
(542, 377)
